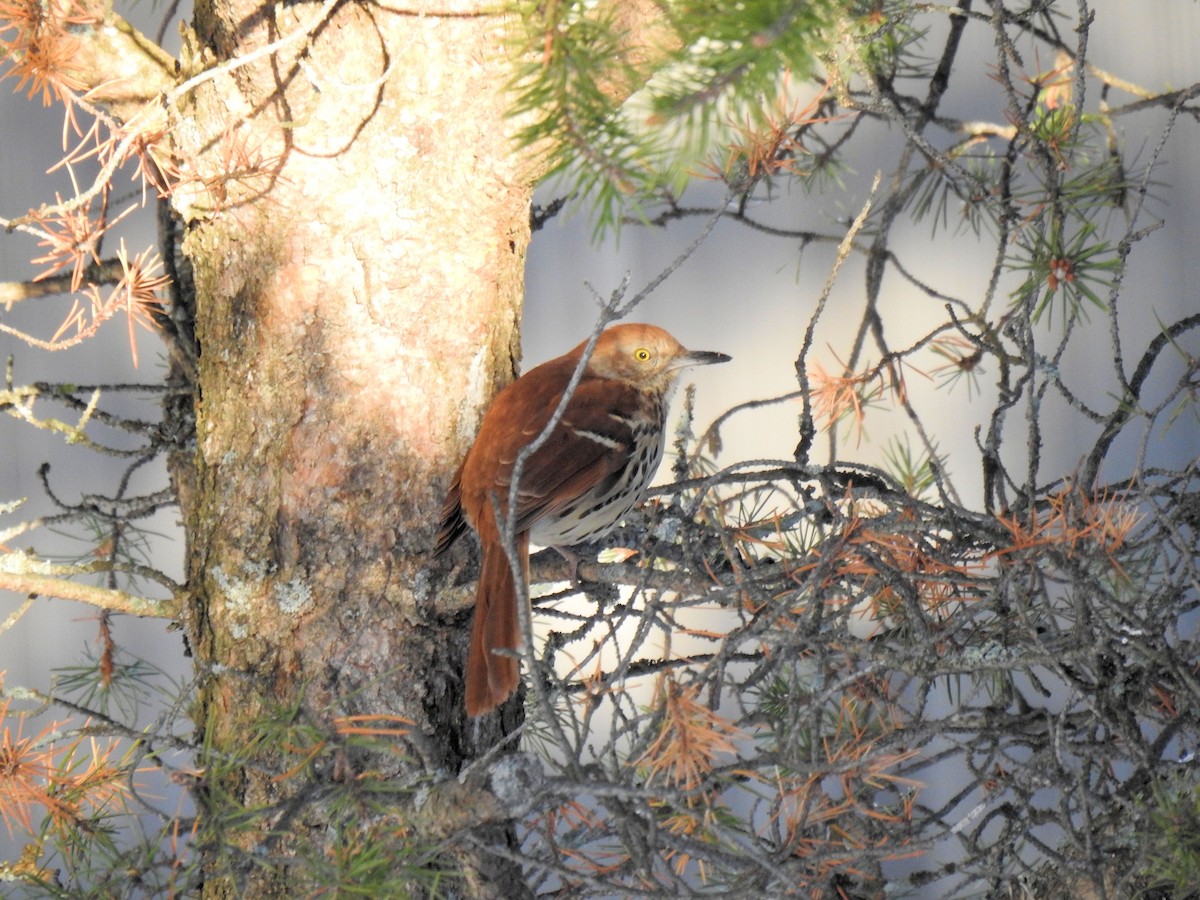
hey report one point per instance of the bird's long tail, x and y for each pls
(492, 677)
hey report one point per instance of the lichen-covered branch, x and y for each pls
(25, 574)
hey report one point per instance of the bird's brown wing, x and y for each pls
(453, 524)
(590, 443)
(515, 417)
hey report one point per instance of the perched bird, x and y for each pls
(589, 473)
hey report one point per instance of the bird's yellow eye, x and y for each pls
(641, 354)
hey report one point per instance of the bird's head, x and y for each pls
(645, 356)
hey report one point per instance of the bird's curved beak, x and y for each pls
(701, 358)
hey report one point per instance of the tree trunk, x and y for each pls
(357, 224)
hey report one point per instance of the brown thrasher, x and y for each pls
(576, 486)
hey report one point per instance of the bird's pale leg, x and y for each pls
(573, 559)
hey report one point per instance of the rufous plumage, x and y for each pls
(593, 468)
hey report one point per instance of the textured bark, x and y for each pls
(357, 226)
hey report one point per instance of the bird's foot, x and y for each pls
(573, 559)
